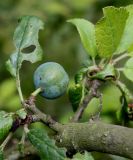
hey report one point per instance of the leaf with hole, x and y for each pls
(87, 34)
(128, 69)
(26, 43)
(110, 29)
(6, 122)
(45, 146)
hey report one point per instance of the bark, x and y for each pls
(97, 136)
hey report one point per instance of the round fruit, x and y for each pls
(52, 79)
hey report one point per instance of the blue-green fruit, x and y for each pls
(52, 79)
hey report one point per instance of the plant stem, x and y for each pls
(6, 141)
(26, 130)
(101, 63)
(23, 136)
(124, 89)
(94, 62)
(95, 84)
(119, 58)
(19, 87)
(36, 92)
(120, 69)
(46, 119)
(82, 106)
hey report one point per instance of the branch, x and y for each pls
(95, 84)
(46, 119)
(92, 136)
(97, 136)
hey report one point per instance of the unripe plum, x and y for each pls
(52, 79)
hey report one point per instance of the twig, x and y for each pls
(20, 122)
(93, 93)
(97, 115)
(46, 119)
(2, 146)
(123, 89)
(101, 63)
(94, 62)
(19, 87)
(120, 69)
(119, 58)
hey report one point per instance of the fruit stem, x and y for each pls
(36, 92)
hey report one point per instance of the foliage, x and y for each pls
(6, 122)
(26, 41)
(106, 43)
(46, 147)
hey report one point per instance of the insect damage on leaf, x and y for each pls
(26, 43)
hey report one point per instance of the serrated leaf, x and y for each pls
(26, 43)
(21, 113)
(87, 34)
(1, 155)
(109, 30)
(6, 122)
(128, 69)
(127, 40)
(45, 146)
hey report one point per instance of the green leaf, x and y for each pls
(85, 156)
(21, 113)
(108, 72)
(1, 155)
(6, 122)
(76, 91)
(125, 91)
(26, 43)
(80, 75)
(109, 30)
(127, 40)
(87, 34)
(121, 114)
(45, 146)
(128, 69)
(75, 95)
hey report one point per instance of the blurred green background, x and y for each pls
(60, 43)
